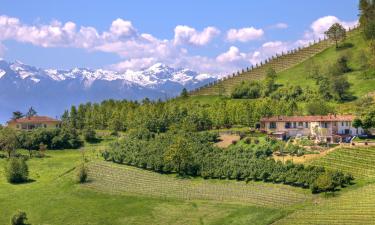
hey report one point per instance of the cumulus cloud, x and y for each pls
(319, 26)
(244, 34)
(189, 35)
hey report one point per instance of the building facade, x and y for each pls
(33, 122)
(331, 128)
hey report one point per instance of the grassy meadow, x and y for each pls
(53, 196)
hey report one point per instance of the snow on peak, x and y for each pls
(2, 73)
(154, 76)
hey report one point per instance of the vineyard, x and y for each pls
(354, 207)
(358, 161)
(118, 179)
(280, 62)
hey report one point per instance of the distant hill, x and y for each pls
(51, 91)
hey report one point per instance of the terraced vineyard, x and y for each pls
(358, 161)
(354, 207)
(350, 207)
(112, 178)
(278, 63)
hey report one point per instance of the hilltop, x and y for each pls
(291, 68)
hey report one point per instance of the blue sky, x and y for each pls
(207, 36)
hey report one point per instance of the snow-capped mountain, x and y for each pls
(51, 91)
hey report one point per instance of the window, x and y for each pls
(342, 123)
(45, 125)
(287, 125)
(273, 125)
(306, 125)
(324, 125)
(294, 124)
(300, 124)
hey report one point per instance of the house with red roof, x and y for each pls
(33, 122)
(329, 128)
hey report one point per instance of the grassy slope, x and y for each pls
(360, 87)
(297, 75)
(353, 205)
(54, 197)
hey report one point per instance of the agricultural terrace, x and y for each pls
(356, 205)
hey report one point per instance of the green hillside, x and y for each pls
(291, 70)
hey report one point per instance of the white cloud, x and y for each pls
(232, 55)
(2, 50)
(280, 26)
(188, 35)
(245, 34)
(122, 28)
(319, 26)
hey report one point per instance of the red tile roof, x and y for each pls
(34, 119)
(308, 118)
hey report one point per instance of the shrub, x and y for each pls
(247, 140)
(16, 170)
(82, 173)
(89, 135)
(19, 218)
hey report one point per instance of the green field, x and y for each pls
(354, 205)
(124, 195)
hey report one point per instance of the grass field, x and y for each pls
(354, 205)
(53, 196)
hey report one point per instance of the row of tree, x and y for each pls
(39, 139)
(193, 154)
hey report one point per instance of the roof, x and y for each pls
(34, 119)
(328, 118)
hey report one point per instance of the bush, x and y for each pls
(82, 173)
(89, 135)
(16, 170)
(247, 140)
(19, 218)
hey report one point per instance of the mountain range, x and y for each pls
(51, 91)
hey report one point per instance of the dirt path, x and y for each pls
(226, 140)
(305, 158)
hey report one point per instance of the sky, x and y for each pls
(216, 37)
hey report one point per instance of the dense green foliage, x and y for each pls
(16, 170)
(193, 154)
(19, 218)
(82, 173)
(65, 137)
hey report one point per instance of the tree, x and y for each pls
(73, 117)
(324, 183)
(269, 82)
(16, 170)
(336, 32)
(367, 21)
(89, 135)
(318, 107)
(340, 88)
(184, 93)
(19, 218)
(31, 112)
(357, 123)
(179, 155)
(17, 115)
(8, 140)
(82, 173)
